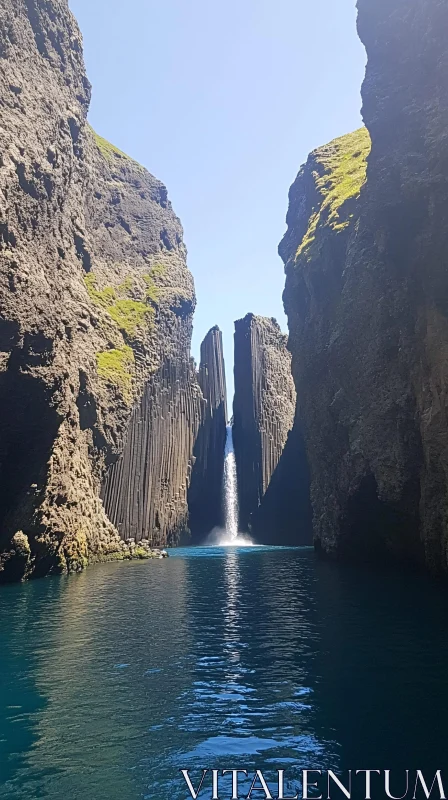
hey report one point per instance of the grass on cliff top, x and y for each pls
(110, 152)
(342, 173)
(128, 314)
(116, 367)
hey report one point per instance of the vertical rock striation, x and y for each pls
(95, 300)
(205, 494)
(366, 297)
(145, 493)
(263, 407)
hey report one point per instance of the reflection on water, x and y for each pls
(231, 611)
(112, 681)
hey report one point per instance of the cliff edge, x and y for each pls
(365, 294)
(96, 306)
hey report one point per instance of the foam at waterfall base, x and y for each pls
(219, 537)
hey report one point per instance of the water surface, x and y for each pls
(113, 680)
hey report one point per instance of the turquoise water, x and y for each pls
(113, 680)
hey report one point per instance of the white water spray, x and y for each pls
(230, 488)
(229, 536)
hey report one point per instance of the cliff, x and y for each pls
(284, 516)
(205, 493)
(96, 305)
(263, 407)
(365, 294)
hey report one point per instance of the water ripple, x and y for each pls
(113, 680)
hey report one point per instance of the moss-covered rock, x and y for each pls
(110, 152)
(339, 172)
(116, 367)
(128, 314)
(141, 553)
(74, 555)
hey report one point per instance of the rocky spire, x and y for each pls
(205, 495)
(263, 407)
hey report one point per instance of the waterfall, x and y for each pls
(229, 536)
(230, 488)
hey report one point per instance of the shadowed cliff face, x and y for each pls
(263, 407)
(96, 305)
(205, 493)
(284, 516)
(365, 295)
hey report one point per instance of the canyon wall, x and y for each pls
(263, 407)
(96, 304)
(366, 297)
(205, 493)
(284, 516)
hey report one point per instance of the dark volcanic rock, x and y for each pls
(366, 297)
(284, 516)
(263, 407)
(145, 494)
(205, 494)
(95, 298)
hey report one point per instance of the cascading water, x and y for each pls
(229, 536)
(230, 488)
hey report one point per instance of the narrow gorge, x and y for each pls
(111, 441)
(223, 529)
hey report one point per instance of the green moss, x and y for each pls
(127, 313)
(156, 271)
(130, 315)
(116, 367)
(140, 552)
(126, 286)
(340, 177)
(75, 552)
(101, 297)
(104, 558)
(152, 293)
(112, 153)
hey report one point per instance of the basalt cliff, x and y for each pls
(98, 396)
(367, 301)
(263, 408)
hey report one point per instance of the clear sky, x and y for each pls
(222, 100)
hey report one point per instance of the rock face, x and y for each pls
(145, 492)
(205, 494)
(284, 516)
(96, 305)
(263, 407)
(367, 301)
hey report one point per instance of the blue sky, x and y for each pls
(223, 101)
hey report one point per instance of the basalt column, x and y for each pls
(263, 407)
(145, 493)
(205, 494)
